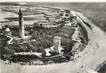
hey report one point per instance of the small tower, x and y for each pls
(21, 25)
(57, 43)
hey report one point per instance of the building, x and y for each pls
(7, 31)
(21, 25)
(56, 44)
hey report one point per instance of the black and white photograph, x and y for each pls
(52, 36)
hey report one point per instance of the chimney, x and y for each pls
(21, 25)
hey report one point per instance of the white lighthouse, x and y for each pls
(21, 25)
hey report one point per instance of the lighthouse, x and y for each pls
(21, 25)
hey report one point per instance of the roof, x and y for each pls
(7, 29)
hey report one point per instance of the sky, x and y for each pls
(52, 0)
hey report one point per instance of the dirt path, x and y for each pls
(90, 58)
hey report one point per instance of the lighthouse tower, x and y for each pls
(21, 25)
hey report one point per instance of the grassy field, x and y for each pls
(43, 36)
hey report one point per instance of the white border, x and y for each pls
(52, 0)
